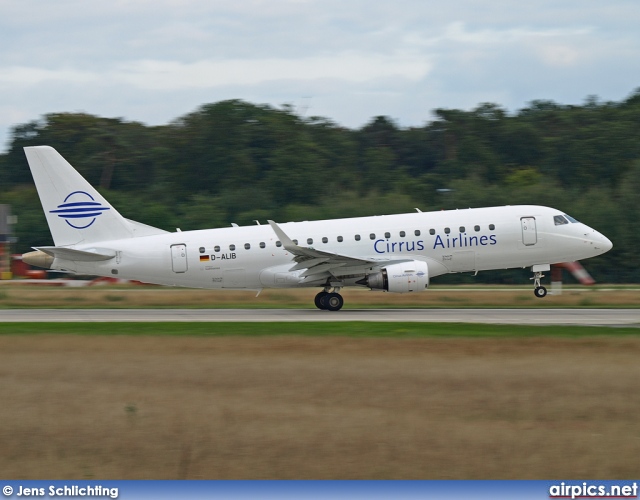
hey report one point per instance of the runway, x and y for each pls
(584, 317)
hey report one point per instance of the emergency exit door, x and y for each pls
(529, 232)
(179, 258)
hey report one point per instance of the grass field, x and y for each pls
(364, 329)
(26, 295)
(382, 401)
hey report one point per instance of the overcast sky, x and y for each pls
(347, 60)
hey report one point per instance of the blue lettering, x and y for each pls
(403, 246)
(462, 240)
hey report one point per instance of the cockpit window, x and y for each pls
(559, 220)
(571, 219)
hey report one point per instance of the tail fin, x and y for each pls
(75, 211)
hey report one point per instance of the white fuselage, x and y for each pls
(249, 257)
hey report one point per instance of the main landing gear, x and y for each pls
(330, 301)
(539, 291)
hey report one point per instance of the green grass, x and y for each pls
(324, 329)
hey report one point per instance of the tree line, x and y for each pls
(234, 161)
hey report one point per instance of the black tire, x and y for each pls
(540, 292)
(319, 301)
(333, 302)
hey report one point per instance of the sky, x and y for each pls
(345, 60)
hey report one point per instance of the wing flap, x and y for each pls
(305, 264)
(319, 269)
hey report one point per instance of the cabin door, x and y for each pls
(179, 258)
(529, 232)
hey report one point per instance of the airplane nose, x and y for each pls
(602, 243)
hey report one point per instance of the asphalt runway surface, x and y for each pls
(584, 317)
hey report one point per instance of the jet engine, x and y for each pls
(412, 276)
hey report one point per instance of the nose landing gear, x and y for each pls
(539, 291)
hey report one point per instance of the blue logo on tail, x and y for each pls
(79, 208)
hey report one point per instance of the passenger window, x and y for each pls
(432, 232)
(476, 228)
(402, 234)
(232, 247)
(372, 236)
(462, 229)
(340, 239)
(417, 232)
(201, 249)
(309, 241)
(216, 248)
(295, 242)
(262, 245)
(357, 237)
(278, 243)
(325, 239)
(447, 230)
(387, 235)
(247, 246)
(559, 220)
(491, 227)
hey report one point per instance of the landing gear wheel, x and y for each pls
(540, 292)
(320, 300)
(333, 302)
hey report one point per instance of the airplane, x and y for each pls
(393, 253)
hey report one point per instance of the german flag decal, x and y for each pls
(204, 258)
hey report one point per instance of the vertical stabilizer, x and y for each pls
(75, 211)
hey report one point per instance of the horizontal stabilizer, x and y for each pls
(78, 255)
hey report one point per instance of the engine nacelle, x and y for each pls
(405, 277)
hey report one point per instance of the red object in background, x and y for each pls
(576, 269)
(19, 268)
(24, 270)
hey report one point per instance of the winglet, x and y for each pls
(287, 242)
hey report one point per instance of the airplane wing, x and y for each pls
(319, 265)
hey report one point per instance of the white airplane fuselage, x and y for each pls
(233, 257)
